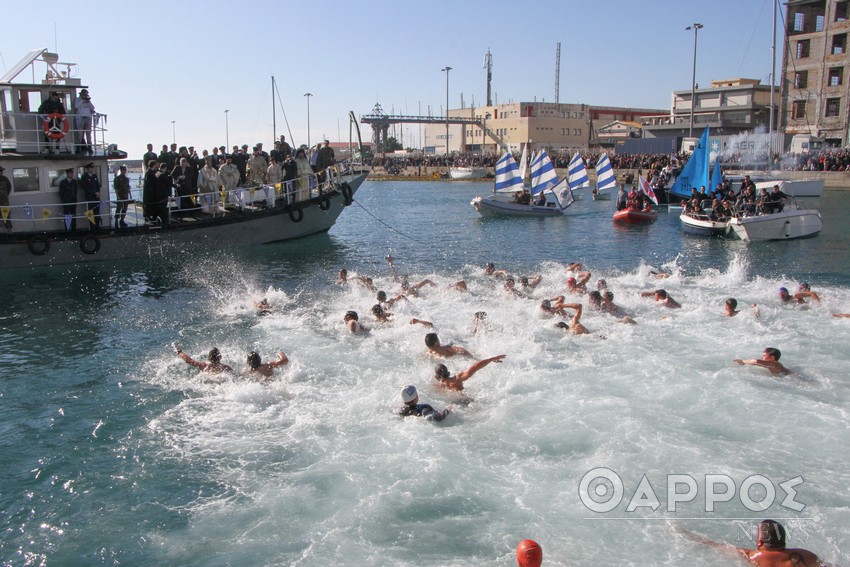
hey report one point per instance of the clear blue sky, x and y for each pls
(148, 63)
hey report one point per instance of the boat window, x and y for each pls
(25, 179)
(29, 101)
(55, 177)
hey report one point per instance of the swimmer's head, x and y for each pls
(489, 268)
(771, 535)
(382, 296)
(431, 340)
(441, 372)
(571, 281)
(343, 272)
(509, 283)
(378, 311)
(350, 316)
(660, 294)
(595, 297)
(523, 280)
(783, 293)
(461, 286)
(601, 284)
(609, 296)
(561, 325)
(409, 395)
(254, 360)
(772, 352)
(214, 355)
(529, 554)
(546, 304)
(732, 303)
(805, 287)
(480, 315)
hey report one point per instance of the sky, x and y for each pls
(148, 64)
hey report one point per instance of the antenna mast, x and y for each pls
(558, 74)
(488, 64)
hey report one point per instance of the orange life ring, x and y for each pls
(55, 126)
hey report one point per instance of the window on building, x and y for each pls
(841, 11)
(839, 43)
(799, 20)
(833, 106)
(801, 79)
(819, 21)
(25, 179)
(836, 75)
(798, 109)
(803, 48)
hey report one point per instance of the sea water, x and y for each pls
(114, 451)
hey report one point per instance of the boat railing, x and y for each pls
(38, 133)
(50, 217)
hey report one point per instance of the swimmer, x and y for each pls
(510, 288)
(351, 320)
(490, 270)
(574, 267)
(381, 315)
(601, 285)
(441, 373)
(257, 368)
(798, 298)
(606, 304)
(459, 285)
(842, 315)
(410, 397)
(531, 283)
(479, 319)
(214, 366)
(342, 277)
(661, 295)
(731, 305)
(574, 326)
(413, 290)
(554, 306)
(382, 299)
(578, 285)
(659, 275)
(769, 359)
(422, 322)
(263, 307)
(529, 554)
(436, 349)
(389, 258)
(771, 550)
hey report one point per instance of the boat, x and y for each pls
(632, 215)
(577, 176)
(792, 222)
(508, 183)
(44, 231)
(606, 181)
(701, 224)
(809, 187)
(467, 172)
(695, 173)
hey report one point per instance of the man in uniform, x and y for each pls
(121, 185)
(5, 189)
(68, 188)
(91, 189)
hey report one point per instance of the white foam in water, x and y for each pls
(317, 469)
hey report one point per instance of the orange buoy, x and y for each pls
(529, 553)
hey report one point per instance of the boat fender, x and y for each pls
(90, 244)
(347, 193)
(324, 202)
(55, 126)
(435, 175)
(39, 244)
(787, 229)
(296, 214)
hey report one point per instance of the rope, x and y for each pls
(356, 202)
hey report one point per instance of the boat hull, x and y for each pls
(787, 225)
(233, 229)
(490, 207)
(632, 216)
(702, 226)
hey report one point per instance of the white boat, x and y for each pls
(44, 231)
(701, 224)
(508, 182)
(810, 187)
(577, 176)
(789, 224)
(467, 172)
(606, 181)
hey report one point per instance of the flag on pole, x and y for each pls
(647, 190)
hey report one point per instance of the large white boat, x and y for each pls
(786, 225)
(701, 224)
(467, 172)
(38, 229)
(809, 187)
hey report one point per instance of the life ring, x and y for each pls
(324, 202)
(39, 244)
(296, 214)
(55, 126)
(90, 244)
(347, 193)
(435, 175)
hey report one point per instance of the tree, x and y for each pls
(392, 145)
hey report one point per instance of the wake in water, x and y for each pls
(319, 461)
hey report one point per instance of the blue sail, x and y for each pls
(716, 176)
(695, 173)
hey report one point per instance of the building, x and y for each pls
(554, 126)
(728, 107)
(815, 96)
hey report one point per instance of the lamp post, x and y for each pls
(484, 133)
(173, 132)
(226, 130)
(447, 69)
(308, 95)
(696, 28)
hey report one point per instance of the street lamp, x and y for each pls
(173, 132)
(447, 69)
(308, 95)
(696, 28)
(226, 130)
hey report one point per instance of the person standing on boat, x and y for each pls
(209, 181)
(164, 185)
(285, 148)
(775, 201)
(121, 186)
(305, 174)
(5, 189)
(256, 169)
(149, 191)
(149, 156)
(326, 159)
(91, 190)
(68, 189)
(228, 177)
(184, 182)
(53, 105)
(622, 198)
(84, 109)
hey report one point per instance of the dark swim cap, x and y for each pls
(214, 355)
(254, 360)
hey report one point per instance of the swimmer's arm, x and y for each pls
(416, 321)
(842, 315)
(583, 278)
(750, 361)
(188, 359)
(460, 350)
(439, 415)
(464, 375)
(281, 360)
(698, 538)
(756, 312)
(647, 294)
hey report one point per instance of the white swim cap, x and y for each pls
(409, 394)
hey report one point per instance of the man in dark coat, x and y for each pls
(68, 189)
(91, 189)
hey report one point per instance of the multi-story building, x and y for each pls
(555, 126)
(815, 88)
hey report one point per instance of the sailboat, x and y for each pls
(606, 181)
(577, 175)
(508, 182)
